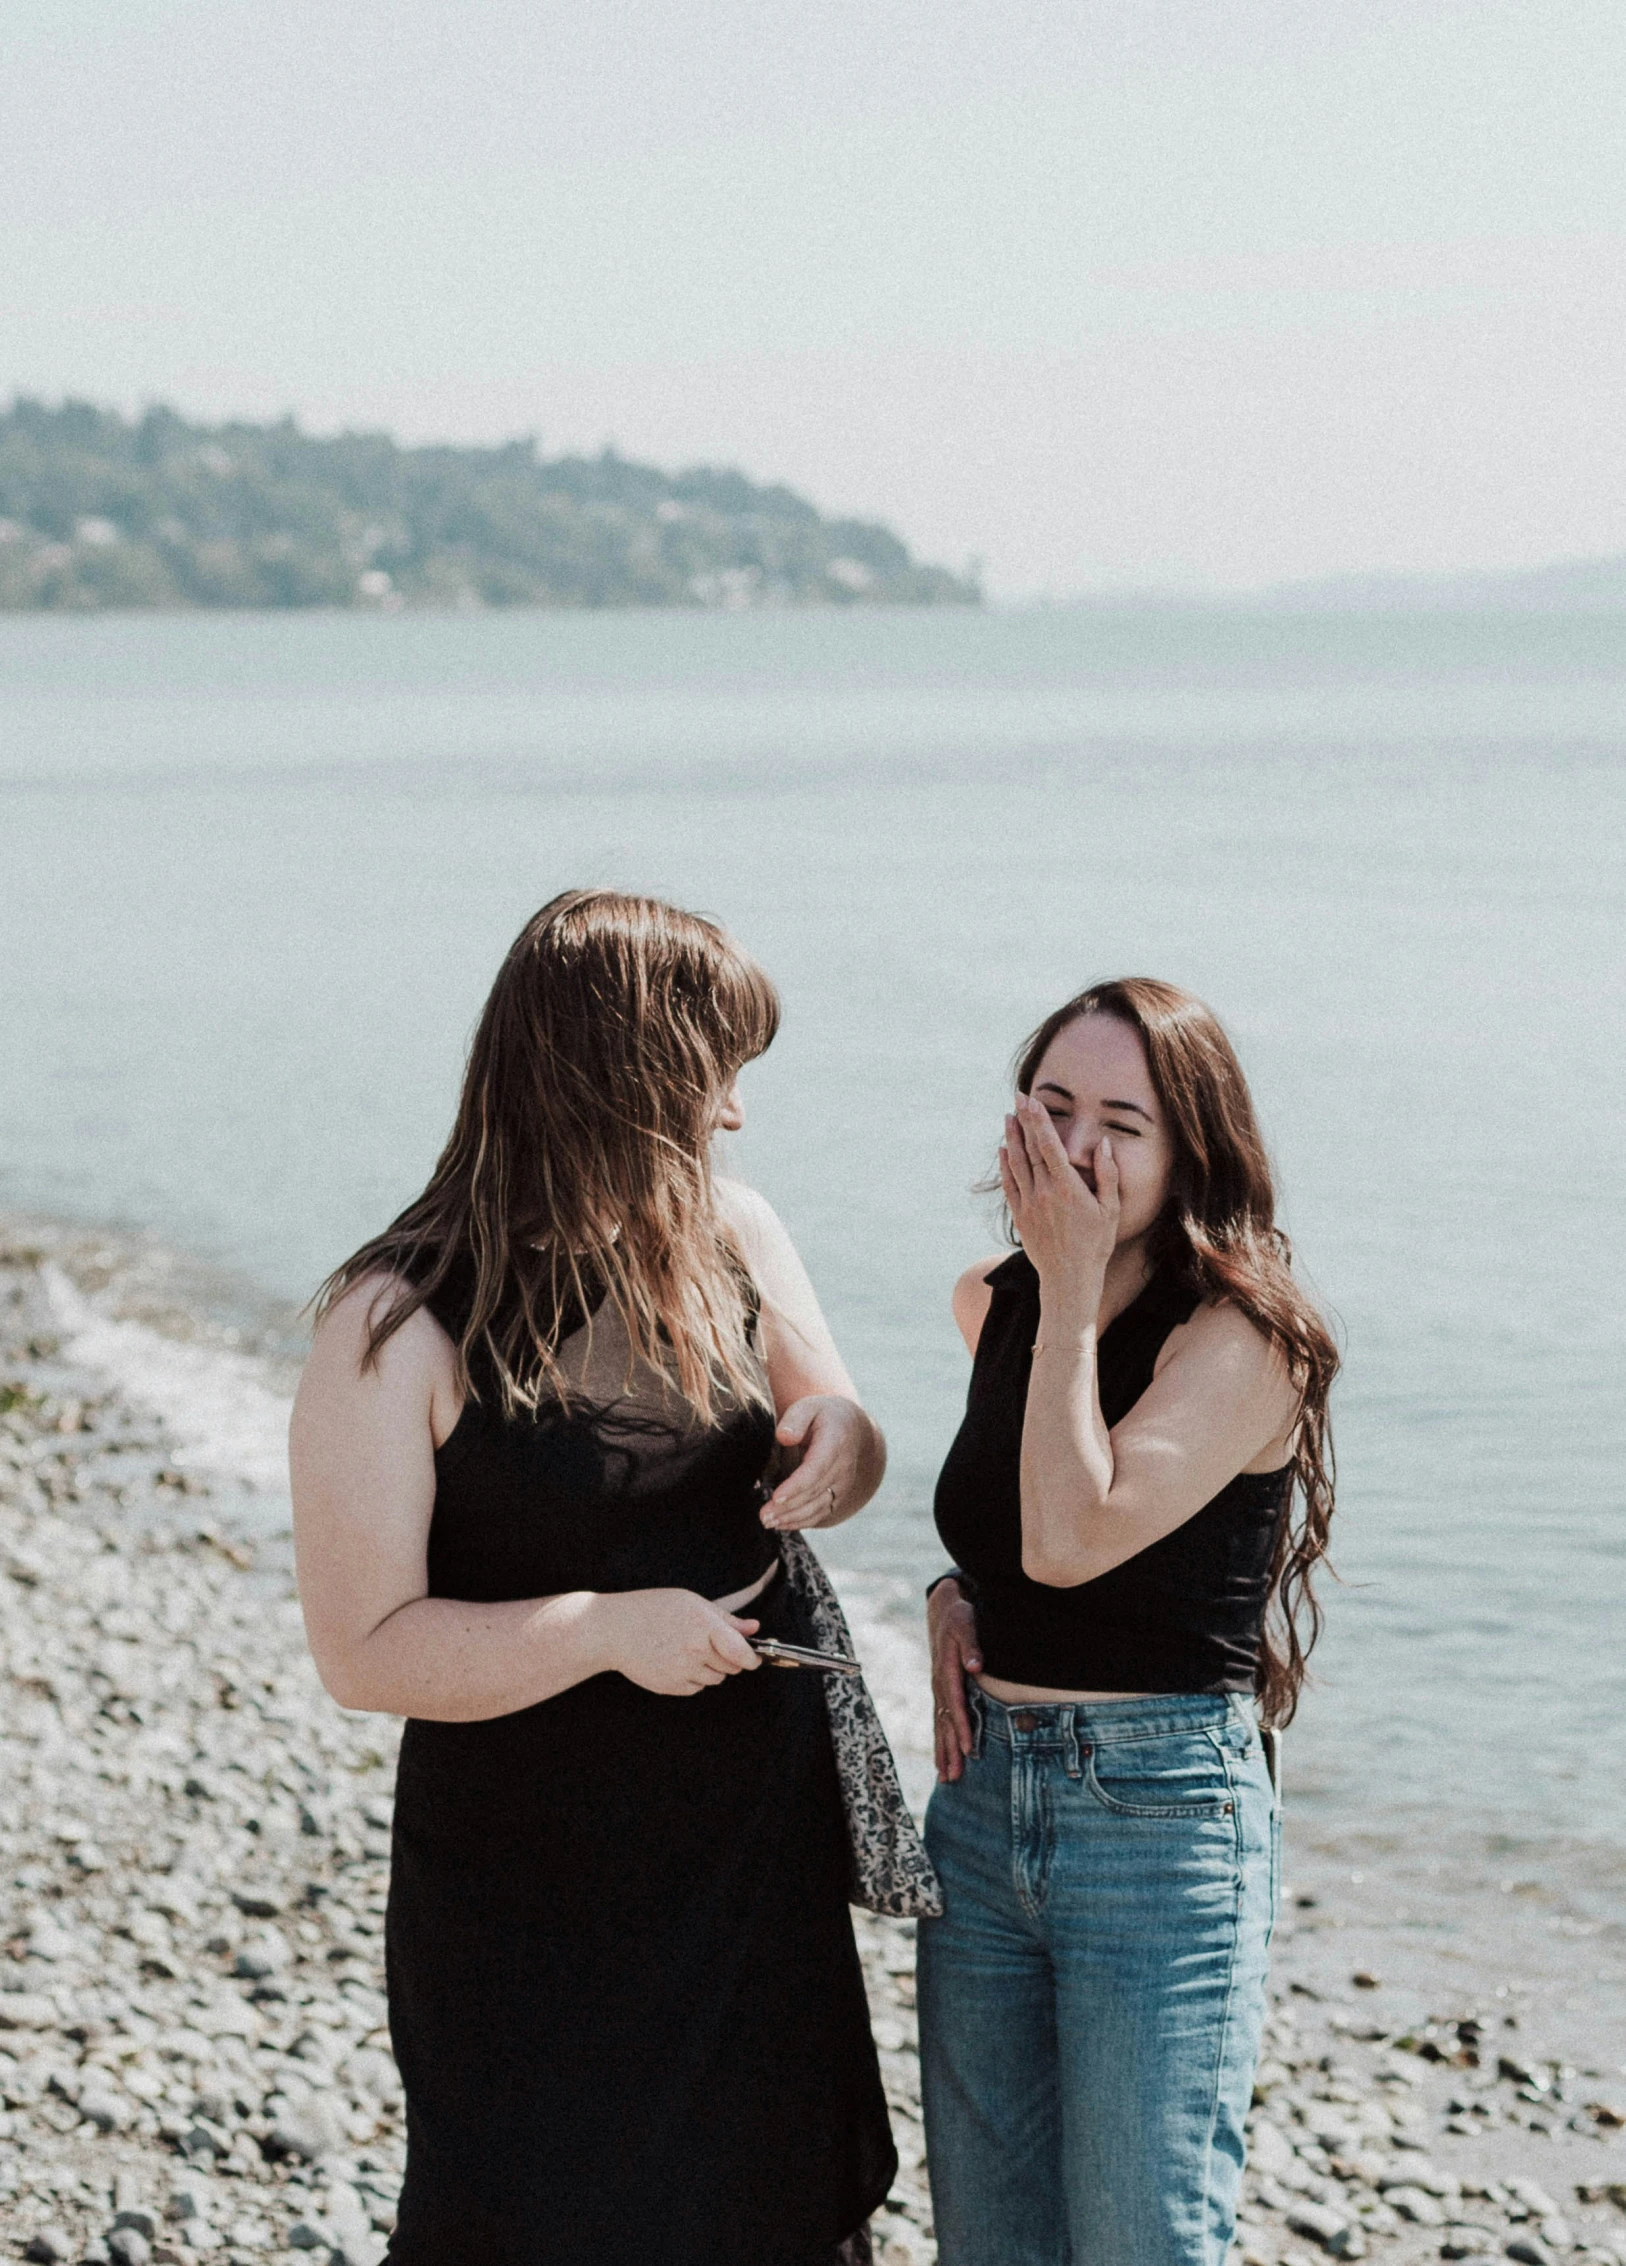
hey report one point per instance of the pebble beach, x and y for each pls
(194, 1858)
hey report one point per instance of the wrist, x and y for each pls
(945, 1590)
(946, 1594)
(597, 1619)
(1068, 1313)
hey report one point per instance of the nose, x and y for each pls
(1083, 1138)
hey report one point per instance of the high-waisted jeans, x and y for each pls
(1091, 2000)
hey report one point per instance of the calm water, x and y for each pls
(256, 873)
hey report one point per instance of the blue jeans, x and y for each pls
(1092, 1998)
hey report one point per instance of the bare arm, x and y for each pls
(842, 1447)
(1221, 1398)
(361, 1452)
(1092, 1498)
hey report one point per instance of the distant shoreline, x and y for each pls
(1400, 606)
(1576, 588)
(101, 513)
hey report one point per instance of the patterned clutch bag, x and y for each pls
(889, 1870)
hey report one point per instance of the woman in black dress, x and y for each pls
(531, 1455)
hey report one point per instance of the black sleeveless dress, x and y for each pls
(624, 1993)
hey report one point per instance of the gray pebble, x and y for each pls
(257, 1903)
(190, 2197)
(1317, 2220)
(360, 2250)
(1533, 2196)
(253, 1965)
(309, 2131)
(1416, 2204)
(104, 2107)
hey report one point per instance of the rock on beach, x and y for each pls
(194, 1852)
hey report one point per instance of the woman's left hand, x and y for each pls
(1068, 1227)
(833, 1434)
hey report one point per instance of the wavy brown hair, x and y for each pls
(579, 1158)
(1218, 1235)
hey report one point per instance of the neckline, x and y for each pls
(1019, 1260)
(1141, 1296)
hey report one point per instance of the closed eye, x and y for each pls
(1136, 1130)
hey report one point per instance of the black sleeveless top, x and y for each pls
(622, 1490)
(1183, 1615)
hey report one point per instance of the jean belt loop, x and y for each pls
(1075, 1767)
(977, 1708)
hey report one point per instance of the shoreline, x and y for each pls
(195, 1840)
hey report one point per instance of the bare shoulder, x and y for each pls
(420, 1348)
(1221, 1340)
(763, 1242)
(801, 1354)
(972, 1298)
(761, 1239)
(749, 1217)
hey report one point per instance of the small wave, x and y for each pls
(222, 1415)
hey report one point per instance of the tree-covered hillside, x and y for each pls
(97, 511)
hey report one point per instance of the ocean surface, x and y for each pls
(256, 874)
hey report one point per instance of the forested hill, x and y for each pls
(97, 511)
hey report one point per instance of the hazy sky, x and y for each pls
(1108, 292)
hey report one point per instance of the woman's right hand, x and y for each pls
(951, 1626)
(674, 1641)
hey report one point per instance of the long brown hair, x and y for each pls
(580, 1155)
(1217, 1234)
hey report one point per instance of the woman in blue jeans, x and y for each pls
(1135, 1503)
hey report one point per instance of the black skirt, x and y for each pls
(624, 1993)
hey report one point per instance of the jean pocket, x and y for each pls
(1182, 1774)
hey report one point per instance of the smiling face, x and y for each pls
(1092, 1079)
